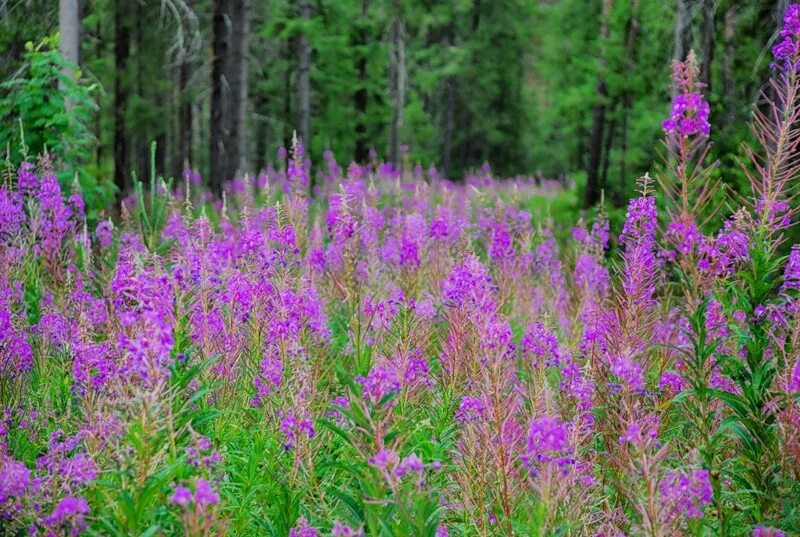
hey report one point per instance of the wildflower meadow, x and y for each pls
(350, 350)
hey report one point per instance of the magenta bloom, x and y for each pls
(791, 275)
(410, 464)
(182, 496)
(787, 49)
(385, 458)
(762, 531)
(688, 493)
(639, 434)
(343, 530)
(292, 428)
(629, 372)
(470, 409)
(548, 442)
(688, 116)
(15, 478)
(204, 495)
(68, 516)
(684, 235)
(303, 529)
(541, 344)
(104, 233)
(794, 378)
(381, 381)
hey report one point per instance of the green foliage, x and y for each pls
(36, 117)
(46, 107)
(383, 504)
(752, 421)
(153, 215)
(510, 82)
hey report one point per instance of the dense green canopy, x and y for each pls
(553, 87)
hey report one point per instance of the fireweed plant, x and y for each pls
(400, 355)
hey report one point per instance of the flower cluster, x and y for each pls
(688, 116)
(787, 50)
(275, 354)
(204, 495)
(687, 493)
(381, 382)
(548, 442)
(689, 113)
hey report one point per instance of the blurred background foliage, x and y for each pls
(568, 89)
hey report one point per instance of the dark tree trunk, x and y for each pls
(303, 80)
(184, 142)
(231, 28)
(627, 102)
(449, 112)
(728, 82)
(122, 49)
(161, 154)
(287, 99)
(360, 96)
(683, 29)
(593, 187)
(239, 87)
(220, 98)
(592, 194)
(396, 85)
(449, 125)
(609, 144)
(709, 42)
(621, 191)
(185, 158)
(140, 140)
(261, 145)
(99, 51)
(262, 131)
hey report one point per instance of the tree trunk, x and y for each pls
(397, 85)
(140, 138)
(69, 28)
(621, 192)
(122, 50)
(627, 102)
(592, 194)
(230, 40)
(449, 112)
(709, 41)
(240, 68)
(69, 43)
(609, 144)
(161, 154)
(261, 132)
(728, 82)
(360, 96)
(99, 51)
(184, 160)
(220, 100)
(593, 187)
(303, 79)
(288, 119)
(683, 29)
(449, 125)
